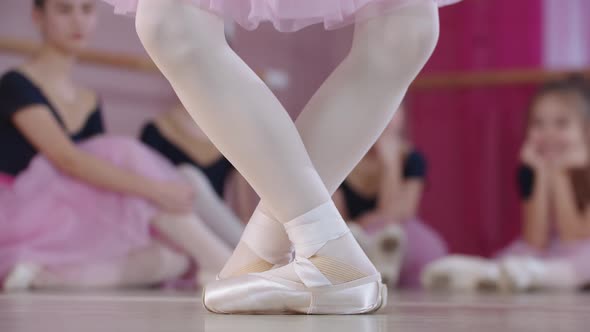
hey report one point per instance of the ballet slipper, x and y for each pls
(21, 277)
(387, 252)
(321, 284)
(462, 273)
(522, 273)
(385, 249)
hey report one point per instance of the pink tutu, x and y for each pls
(290, 15)
(50, 219)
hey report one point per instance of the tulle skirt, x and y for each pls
(52, 220)
(290, 15)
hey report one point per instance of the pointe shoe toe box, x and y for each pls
(253, 294)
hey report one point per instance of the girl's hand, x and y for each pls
(173, 197)
(531, 156)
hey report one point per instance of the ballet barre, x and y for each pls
(497, 78)
(95, 57)
(455, 80)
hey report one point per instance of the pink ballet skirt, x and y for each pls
(290, 15)
(53, 220)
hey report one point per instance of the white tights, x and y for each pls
(294, 169)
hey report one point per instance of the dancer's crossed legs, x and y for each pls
(350, 110)
(247, 123)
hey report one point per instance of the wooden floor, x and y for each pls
(176, 312)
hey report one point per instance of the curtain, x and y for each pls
(472, 136)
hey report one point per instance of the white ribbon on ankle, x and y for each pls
(309, 233)
(309, 274)
(266, 237)
(311, 236)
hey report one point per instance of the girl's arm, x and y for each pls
(572, 224)
(399, 199)
(534, 191)
(572, 221)
(41, 129)
(535, 210)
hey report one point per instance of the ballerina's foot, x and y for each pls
(21, 277)
(263, 246)
(329, 275)
(462, 273)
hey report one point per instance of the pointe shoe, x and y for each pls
(21, 277)
(387, 252)
(521, 273)
(385, 249)
(267, 239)
(462, 273)
(324, 286)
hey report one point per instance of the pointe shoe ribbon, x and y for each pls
(266, 237)
(309, 233)
(274, 291)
